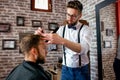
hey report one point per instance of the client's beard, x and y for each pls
(40, 59)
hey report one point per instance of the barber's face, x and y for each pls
(41, 57)
(72, 15)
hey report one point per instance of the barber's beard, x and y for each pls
(40, 59)
(72, 24)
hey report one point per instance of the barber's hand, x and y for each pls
(39, 31)
(53, 38)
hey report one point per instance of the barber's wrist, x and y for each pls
(63, 42)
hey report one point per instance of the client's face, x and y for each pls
(41, 53)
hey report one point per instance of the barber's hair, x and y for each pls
(29, 41)
(76, 5)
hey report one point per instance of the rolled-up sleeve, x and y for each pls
(86, 38)
(60, 31)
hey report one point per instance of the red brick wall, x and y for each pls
(108, 54)
(9, 10)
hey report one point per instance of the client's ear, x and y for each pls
(34, 51)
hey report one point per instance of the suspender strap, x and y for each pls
(79, 34)
(79, 42)
(64, 46)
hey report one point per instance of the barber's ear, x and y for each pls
(79, 16)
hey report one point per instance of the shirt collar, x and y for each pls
(78, 25)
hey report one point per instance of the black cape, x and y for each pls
(28, 71)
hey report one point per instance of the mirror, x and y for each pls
(106, 38)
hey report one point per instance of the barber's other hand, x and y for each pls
(53, 38)
(39, 31)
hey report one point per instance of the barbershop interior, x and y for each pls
(19, 18)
